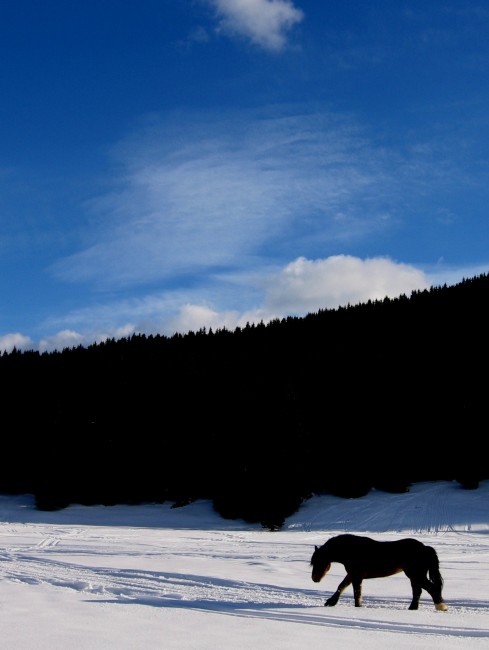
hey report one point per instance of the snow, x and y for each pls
(152, 576)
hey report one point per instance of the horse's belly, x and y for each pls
(375, 572)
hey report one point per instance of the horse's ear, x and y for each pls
(316, 547)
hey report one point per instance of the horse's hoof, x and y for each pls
(441, 607)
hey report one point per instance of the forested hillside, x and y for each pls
(380, 394)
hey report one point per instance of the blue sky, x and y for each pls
(167, 165)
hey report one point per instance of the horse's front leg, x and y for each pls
(341, 588)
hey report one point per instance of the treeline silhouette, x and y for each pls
(376, 395)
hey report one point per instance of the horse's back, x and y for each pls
(359, 542)
(407, 544)
(379, 557)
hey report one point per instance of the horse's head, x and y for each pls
(320, 564)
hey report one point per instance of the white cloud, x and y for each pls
(309, 285)
(265, 22)
(71, 339)
(63, 339)
(15, 340)
(195, 317)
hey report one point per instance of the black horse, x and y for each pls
(364, 557)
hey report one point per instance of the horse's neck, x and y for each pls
(337, 557)
(335, 554)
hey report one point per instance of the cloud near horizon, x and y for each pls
(308, 285)
(301, 287)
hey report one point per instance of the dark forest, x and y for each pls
(376, 395)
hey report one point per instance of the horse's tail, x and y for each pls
(434, 568)
(435, 579)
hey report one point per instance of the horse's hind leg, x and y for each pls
(416, 587)
(434, 591)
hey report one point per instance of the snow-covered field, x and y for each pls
(134, 577)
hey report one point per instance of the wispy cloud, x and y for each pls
(197, 195)
(266, 23)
